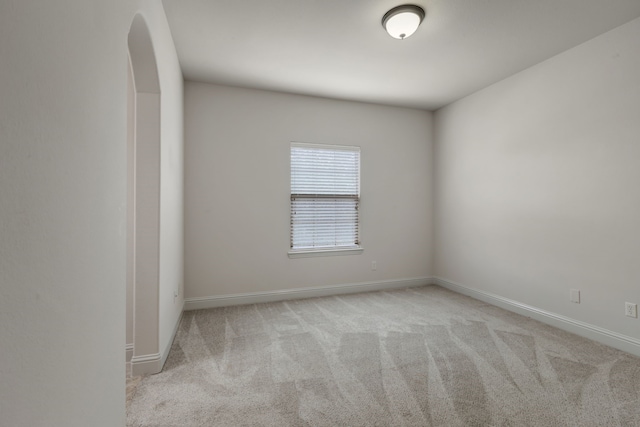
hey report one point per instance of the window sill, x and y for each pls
(324, 252)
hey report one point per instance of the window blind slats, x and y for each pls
(325, 194)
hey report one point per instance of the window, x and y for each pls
(325, 197)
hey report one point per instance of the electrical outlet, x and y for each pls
(575, 296)
(374, 265)
(630, 309)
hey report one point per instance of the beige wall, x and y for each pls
(130, 230)
(63, 88)
(63, 171)
(171, 173)
(237, 190)
(536, 184)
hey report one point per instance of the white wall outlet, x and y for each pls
(575, 296)
(630, 309)
(374, 265)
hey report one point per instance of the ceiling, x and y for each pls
(338, 48)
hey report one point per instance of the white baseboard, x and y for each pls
(287, 294)
(149, 364)
(604, 336)
(128, 350)
(146, 364)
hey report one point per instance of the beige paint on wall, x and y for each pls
(62, 216)
(159, 204)
(536, 184)
(171, 274)
(63, 171)
(237, 190)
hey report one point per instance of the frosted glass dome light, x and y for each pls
(402, 21)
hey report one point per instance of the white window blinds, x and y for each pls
(325, 193)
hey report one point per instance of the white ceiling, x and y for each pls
(338, 48)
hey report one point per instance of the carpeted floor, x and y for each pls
(415, 357)
(132, 384)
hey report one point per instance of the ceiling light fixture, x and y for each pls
(402, 21)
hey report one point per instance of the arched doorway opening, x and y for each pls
(143, 203)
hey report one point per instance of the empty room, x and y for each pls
(319, 213)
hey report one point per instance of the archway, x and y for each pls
(143, 195)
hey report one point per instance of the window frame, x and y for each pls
(324, 251)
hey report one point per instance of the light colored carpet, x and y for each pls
(415, 357)
(132, 384)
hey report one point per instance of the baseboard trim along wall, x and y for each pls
(146, 364)
(288, 294)
(128, 350)
(152, 363)
(604, 336)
